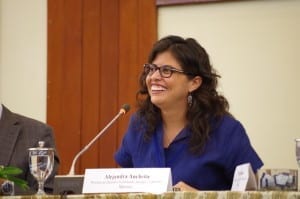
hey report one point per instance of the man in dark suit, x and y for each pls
(17, 134)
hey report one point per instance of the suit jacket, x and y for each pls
(17, 134)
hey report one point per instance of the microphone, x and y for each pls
(71, 183)
(124, 109)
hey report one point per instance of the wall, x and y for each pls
(255, 47)
(253, 44)
(23, 56)
(93, 48)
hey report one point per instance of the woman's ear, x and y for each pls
(195, 83)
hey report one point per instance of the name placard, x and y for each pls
(124, 180)
(244, 178)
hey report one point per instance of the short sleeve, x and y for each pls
(239, 149)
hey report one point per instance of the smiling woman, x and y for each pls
(183, 122)
(246, 40)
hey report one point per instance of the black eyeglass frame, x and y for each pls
(161, 69)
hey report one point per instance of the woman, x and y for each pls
(182, 121)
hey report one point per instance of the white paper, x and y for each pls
(244, 178)
(123, 180)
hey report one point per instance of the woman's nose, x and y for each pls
(156, 74)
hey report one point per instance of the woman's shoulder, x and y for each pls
(228, 125)
(137, 125)
(229, 130)
(137, 119)
(229, 121)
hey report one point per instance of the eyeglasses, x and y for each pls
(165, 71)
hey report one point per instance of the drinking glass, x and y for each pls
(298, 151)
(41, 162)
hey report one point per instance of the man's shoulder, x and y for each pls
(29, 121)
(19, 119)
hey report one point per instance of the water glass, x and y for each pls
(41, 161)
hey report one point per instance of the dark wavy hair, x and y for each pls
(208, 105)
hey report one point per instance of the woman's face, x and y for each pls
(169, 92)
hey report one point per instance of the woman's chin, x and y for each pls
(157, 102)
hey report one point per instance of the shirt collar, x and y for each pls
(184, 133)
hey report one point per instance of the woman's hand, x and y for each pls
(182, 186)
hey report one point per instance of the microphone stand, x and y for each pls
(122, 111)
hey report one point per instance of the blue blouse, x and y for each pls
(227, 147)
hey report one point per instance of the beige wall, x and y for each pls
(23, 56)
(255, 46)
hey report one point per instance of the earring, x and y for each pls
(190, 99)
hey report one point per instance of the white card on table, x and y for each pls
(124, 180)
(244, 178)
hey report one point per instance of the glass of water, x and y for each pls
(298, 151)
(41, 162)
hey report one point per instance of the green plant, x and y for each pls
(9, 173)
